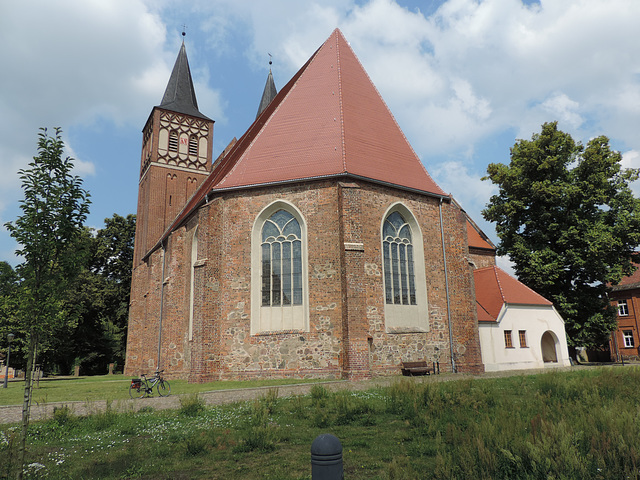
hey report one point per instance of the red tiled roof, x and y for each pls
(475, 239)
(630, 280)
(329, 120)
(495, 287)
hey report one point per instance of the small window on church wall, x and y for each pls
(193, 145)
(281, 254)
(173, 141)
(400, 288)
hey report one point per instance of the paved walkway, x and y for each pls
(13, 413)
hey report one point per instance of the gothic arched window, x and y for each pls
(405, 294)
(279, 266)
(281, 260)
(400, 286)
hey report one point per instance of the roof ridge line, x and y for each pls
(495, 272)
(339, 68)
(267, 122)
(393, 118)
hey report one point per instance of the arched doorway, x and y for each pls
(549, 353)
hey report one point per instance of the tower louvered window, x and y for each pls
(400, 288)
(193, 145)
(173, 141)
(281, 251)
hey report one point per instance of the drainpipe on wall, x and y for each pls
(164, 248)
(446, 287)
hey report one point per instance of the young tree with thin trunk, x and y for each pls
(54, 209)
(570, 223)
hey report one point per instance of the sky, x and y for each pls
(463, 78)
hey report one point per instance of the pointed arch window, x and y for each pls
(281, 260)
(279, 268)
(404, 274)
(400, 287)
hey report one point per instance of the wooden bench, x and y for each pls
(415, 368)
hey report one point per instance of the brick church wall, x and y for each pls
(347, 335)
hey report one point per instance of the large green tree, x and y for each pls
(99, 299)
(48, 231)
(570, 223)
(9, 283)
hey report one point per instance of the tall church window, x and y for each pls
(279, 269)
(400, 288)
(281, 260)
(404, 274)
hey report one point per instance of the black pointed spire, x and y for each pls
(180, 96)
(269, 92)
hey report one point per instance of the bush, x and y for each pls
(191, 406)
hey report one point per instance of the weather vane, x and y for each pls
(184, 32)
(270, 62)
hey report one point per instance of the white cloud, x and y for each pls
(559, 106)
(507, 265)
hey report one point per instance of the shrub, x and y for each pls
(191, 406)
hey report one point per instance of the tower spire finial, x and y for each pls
(184, 32)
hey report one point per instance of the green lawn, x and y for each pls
(114, 387)
(580, 424)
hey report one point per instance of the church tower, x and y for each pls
(177, 145)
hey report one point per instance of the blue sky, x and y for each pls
(464, 78)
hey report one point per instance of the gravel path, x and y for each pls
(13, 413)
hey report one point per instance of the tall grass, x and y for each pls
(561, 425)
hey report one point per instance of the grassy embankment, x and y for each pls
(570, 425)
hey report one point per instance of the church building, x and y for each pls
(316, 245)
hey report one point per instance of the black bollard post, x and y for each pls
(326, 458)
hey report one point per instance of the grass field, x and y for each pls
(114, 387)
(580, 424)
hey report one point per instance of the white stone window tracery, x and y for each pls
(404, 275)
(400, 288)
(279, 267)
(281, 260)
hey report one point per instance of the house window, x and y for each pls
(281, 260)
(508, 341)
(623, 308)
(400, 288)
(279, 283)
(627, 336)
(522, 335)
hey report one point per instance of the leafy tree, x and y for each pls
(54, 209)
(99, 300)
(9, 283)
(568, 220)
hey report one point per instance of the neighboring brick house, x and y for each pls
(625, 297)
(316, 245)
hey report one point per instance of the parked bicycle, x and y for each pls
(143, 386)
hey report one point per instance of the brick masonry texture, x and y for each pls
(346, 337)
